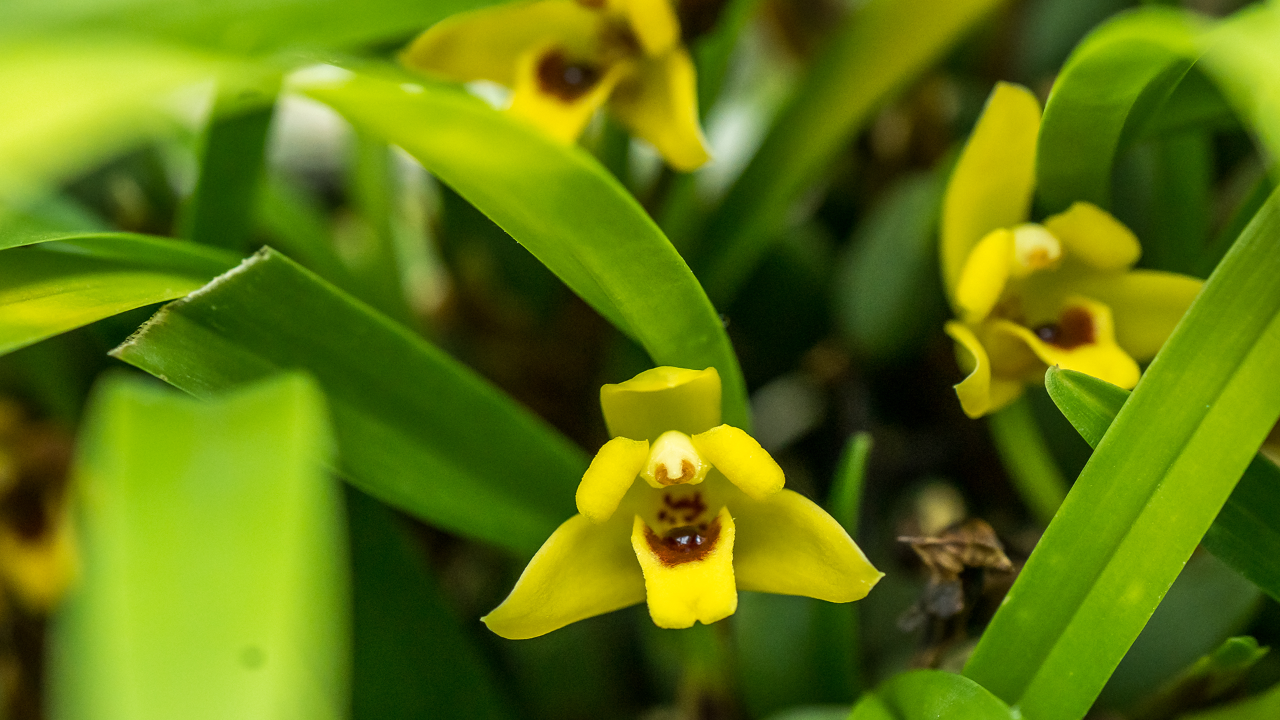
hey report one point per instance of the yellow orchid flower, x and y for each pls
(563, 59)
(707, 517)
(1030, 295)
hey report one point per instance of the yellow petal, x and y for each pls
(1084, 341)
(979, 393)
(684, 586)
(788, 545)
(487, 44)
(664, 398)
(659, 103)
(741, 459)
(654, 23)
(610, 475)
(559, 92)
(1145, 304)
(582, 570)
(984, 275)
(1091, 235)
(992, 183)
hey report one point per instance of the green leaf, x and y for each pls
(929, 694)
(412, 658)
(562, 206)
(1260, 707)
(214, 572)
(1243, 57)
(880, 48)
(73, 102)
(1109, 88)
(66, 283)
(238, 25)
(1026, 457)
(1148, 494)
(1246, 533)
(1210, 678)
(415, 428)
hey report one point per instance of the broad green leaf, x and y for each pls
(68, 103)
(1108, 89)
(1246, 533)
(929, 694)
(214, 572)
(886, 289)
(235, 25)
(563, 207)
(415, 428)
(412, 658)
(63, 284)
(1148, 494)
(881, 47)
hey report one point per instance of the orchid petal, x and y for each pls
(682, 592)
(1093, 236)
(654, 23)
(985, 273)
(1146, 305)
(561, 110)
(610, 475)
(788, 545)
(980, 392)
(664, 398)
(740, 458)
(582, 570)
(1091, 349)
(993, 180)
(487, 44)
(659, 103)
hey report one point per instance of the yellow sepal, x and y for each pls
(700, 590)
(610, 475)
(581, 571)
(659, 102)
(993, 180)
(1146, 305)
(664, 398)
(741, 459)
(980, 392)
(487, 44)
(984, 275)
(786, 544)
(654, 23)
(1101, 358)
(1091, 235)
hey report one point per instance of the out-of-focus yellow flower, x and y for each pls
(708, 516)
(1030, 295)
(563, 59)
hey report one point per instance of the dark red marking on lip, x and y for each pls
(1074, 328)
(687, 471)
(567, 81)
(683, 544)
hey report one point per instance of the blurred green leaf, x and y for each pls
(563, 207)
(1111, 85)
(67, 283)
(929, 694)
(68, 103)
(415, 428)
(1246, 533)
(881, 47)
(1208, 679)
(215, 576)
(412, 658)
(1164, 194)
(813, 712)
(237, 25)
(887, 294)
(1243, 57)
(1028, 460)
(1148, 494)
(1261, 707)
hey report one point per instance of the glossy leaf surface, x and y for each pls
(927, 694)
(1148, 494)
(215, 580)
(415, 428)
(564, 207)
(1246, 533)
